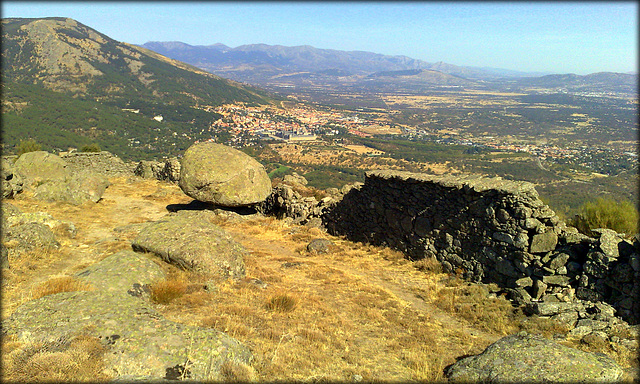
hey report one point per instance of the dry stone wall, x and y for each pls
(491, 230)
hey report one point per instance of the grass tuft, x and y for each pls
(58, 285)
(166, 291)
(282, 303)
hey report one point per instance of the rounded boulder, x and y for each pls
(221, 175)
(41, 166)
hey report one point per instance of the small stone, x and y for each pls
(524, 282)
(543, 242)
(320, 246)
(539, 288)
(560, 280)
(558, 261)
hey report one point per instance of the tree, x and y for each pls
(621, 216)
(29, 145)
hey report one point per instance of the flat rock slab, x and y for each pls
(222, 175)
(141, 342)
(524, 358)
(122, 272)
(190, 240)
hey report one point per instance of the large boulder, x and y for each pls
(77, 189)
(524, 358)
(140, 342)
(41, 166)
(221, 175)
(190, 240)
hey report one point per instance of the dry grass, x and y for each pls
(77, 359)
(282, 302)
(167, 290)
(58, 285)
(473, 303)
(325, 318)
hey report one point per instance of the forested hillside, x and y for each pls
(66, 85)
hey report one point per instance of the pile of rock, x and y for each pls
(11, 181)
(292, 199)
(168, 170)
(491, 230)
(28, 232)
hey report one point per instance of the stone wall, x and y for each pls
(491, 230)
(103, 162)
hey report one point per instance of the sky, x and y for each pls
(547, 37)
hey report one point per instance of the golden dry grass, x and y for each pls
(58, 285)
(165, 291)
(77, 359)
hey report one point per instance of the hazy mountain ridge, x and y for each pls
(268, 65)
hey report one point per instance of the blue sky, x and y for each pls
(566, 37)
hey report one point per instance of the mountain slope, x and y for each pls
(595, 82)
(55, 69)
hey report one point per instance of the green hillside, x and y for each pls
(66, 85)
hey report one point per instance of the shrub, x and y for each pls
(621, 216)
(29, 145)
(91, 148)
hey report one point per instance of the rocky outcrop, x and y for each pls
(169, 170)
(125, 272)
(190, 240)
(103, 163)
(11, 181)
(524, 358)
(221, 175)
(40, 167)
(52, 179)
(29, 232)
(76, 189)
(29, 237)
(140, 342)
(494, 231)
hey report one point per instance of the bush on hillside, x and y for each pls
(91, 148)
(621, 216)
(29, 145)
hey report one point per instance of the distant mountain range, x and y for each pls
(274, 66)
(65, 84)
(258, 62)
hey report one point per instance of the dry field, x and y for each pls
(350, 156)
(359, 313)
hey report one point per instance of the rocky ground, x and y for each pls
(307, 306)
